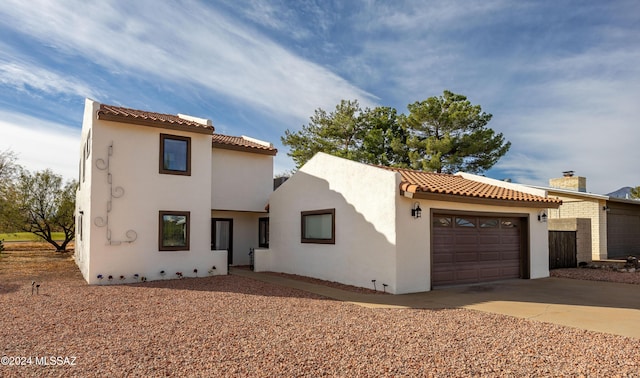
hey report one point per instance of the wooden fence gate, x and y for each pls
(562, 249)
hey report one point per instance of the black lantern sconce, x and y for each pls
(542, 216)
(416, 212)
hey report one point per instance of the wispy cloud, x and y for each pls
(561, 78)
(40, 144)
(23, 76)
(184, 42)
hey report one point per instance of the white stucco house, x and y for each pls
(161, 194)
(406, 231)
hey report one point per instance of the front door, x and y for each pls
(222, 236)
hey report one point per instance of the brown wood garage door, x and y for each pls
(470, 249)
(623, 238)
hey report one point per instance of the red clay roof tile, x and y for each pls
(141, 117)
(241, 144)
(440, 183)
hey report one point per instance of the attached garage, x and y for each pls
(470, 248)
(623, 228)
(406, 231)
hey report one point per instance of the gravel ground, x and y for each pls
(600, 274)
(232, 326)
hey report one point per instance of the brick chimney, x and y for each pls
(570, 182)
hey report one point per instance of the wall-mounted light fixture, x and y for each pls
(416, 212)
(542, 216)
(605, 208)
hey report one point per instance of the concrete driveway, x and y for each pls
(591, 305)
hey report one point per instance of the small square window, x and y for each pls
(175, 155)
(173, 232)
(319, 226)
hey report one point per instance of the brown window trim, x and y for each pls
(160, 229)
(162, 170)
(319, 212)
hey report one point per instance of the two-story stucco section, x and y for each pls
(241, 183)
(403, 231)
(144, 198)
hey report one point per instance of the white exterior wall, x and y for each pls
(365, 234)
(83, 194)
(240, 181)
(414, 240)
(134, 168)
(376, 236)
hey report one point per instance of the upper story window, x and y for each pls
(175, 155)
(319, 226)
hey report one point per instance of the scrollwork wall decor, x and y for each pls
(115, 192)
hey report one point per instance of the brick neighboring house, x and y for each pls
(605, 227)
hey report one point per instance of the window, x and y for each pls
(465, 222)
(489, 223)
(319, 226)
(263, 232)
(80, 221)
(174, 231)
(175, 155)
(83, 161)
(442, 221)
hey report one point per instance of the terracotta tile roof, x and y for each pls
(242, 144)
(141, 117)
(440, 183)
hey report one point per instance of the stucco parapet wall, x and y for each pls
(144, 118)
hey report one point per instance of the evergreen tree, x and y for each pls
(449, 134)
(440, 134)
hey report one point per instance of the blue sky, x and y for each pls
(561, 78)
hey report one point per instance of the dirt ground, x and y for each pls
(35, 261)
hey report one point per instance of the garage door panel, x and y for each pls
(487, 274)
(466, 275)
(511, 271)
(510, 255)
(489, 239)
(513, 240)
(442, 239)
(465, 254)
(466, 239)
(443, 258)
(445, 277)
(489, 256)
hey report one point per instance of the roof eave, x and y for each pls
(483, 200)
(151, 123)
(255, 150)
